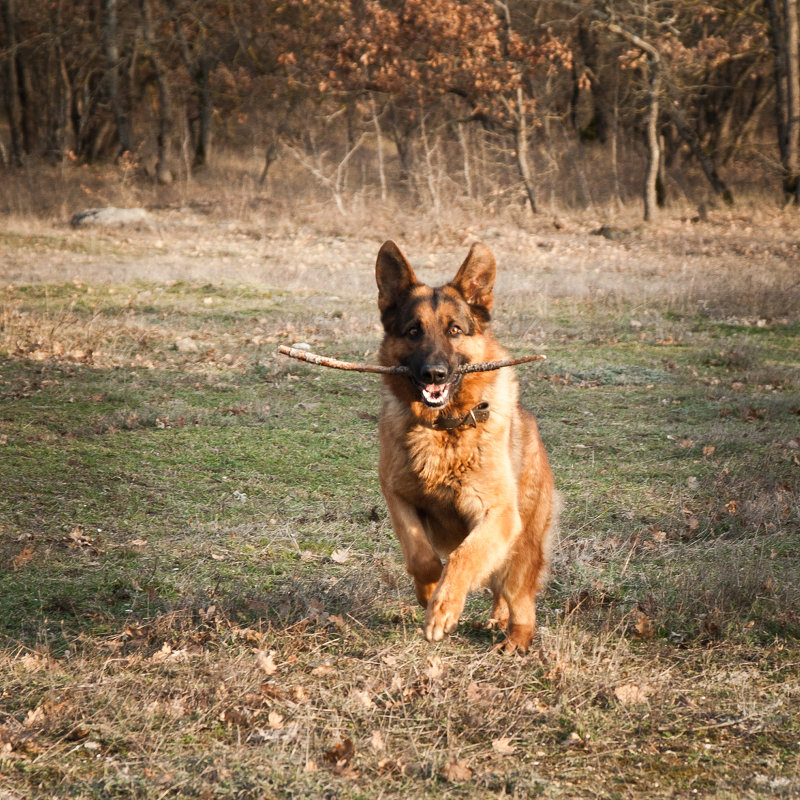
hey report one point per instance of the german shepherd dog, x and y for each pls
(462, 467)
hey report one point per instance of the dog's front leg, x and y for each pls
(422, 563)
(470, 565)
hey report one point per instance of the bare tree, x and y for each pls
(654, 90)
(198, 63)
(118, 105)
(783, 21)
(10, 93)
(516, 106)
(163, 175)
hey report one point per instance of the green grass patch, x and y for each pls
(202, 596)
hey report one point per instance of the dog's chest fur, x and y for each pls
(441, 460)
(439, 464)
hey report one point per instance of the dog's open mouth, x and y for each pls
(436, 395)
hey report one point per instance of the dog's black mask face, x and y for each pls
(433, 331)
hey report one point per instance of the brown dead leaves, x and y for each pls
(633, 693)
(26, 737)
(25, 556)
(168, 655)
(503, 746)
(76, 539)
(457, 771)
(643, 626)
(265, 661)
(340, 556)
(18, 743)
(339, 758)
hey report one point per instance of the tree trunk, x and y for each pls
(430, 174)
(124, 133)
(270, 156)
(519, 118)
(163, 174)
(379, 147)
(198, 65)
(461, 130)
(786, 70)
(11, 93)
(730, 118)
(615, 141)
(748, 127)
(59, 91)
(653, 146)
(68, 139)
(687, 133)
(202, 152)
(791, 184)
(28, 101)
(598, 127)
(401, 136)
(521, 143)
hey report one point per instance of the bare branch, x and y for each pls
(354, 366)
(335, 363)
(488, 366)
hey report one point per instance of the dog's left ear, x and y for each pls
(475, 279)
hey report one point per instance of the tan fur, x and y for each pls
(478, 500)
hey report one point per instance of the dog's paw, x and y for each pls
(444, 609)
(518, 639)
(424, 592)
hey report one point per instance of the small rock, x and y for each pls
(611, 233)
(111, 217)
(186, 345)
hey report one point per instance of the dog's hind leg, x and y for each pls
(517, 585)
(521, 621)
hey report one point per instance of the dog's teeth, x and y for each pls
(436, 394)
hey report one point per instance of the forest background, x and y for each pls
(562, 104)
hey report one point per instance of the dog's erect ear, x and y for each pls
(475, 279)
(393, 274)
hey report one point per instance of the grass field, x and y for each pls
(201, 592)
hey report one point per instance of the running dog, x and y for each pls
(463, 470)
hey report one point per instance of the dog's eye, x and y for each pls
(454, 330)
(414, 333)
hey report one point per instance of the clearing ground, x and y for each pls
(201, 593)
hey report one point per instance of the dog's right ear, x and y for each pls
(393, 274)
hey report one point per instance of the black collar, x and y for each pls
(471, 419)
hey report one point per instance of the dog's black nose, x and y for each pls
(434, 373)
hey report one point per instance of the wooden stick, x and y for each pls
(487, 366)
(354, 366)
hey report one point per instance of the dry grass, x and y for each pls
(213, 605)
(192, 705)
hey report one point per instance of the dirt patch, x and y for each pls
(736, 265)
